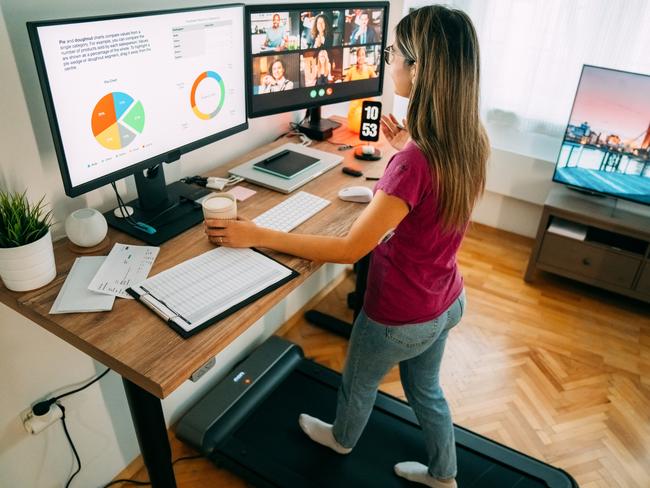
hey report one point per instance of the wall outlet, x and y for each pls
(37, 423)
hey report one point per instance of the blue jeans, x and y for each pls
(418, 348)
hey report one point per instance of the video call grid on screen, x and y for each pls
(323, 54)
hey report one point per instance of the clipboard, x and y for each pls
(208, 288)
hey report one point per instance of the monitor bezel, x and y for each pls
(166, 157)
(557, 161)
(315, 6)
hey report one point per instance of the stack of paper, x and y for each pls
(565, 228)
(75, 295)
(125, 265)
(94, 281)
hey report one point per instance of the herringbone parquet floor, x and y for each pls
(555, 369)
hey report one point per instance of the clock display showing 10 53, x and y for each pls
(370, 115)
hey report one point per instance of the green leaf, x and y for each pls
(22, 223)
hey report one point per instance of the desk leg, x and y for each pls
(337, 326)
(149, 423)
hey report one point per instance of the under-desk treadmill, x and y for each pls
(248, 423)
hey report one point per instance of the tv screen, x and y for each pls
(606, 146)
(124, 91)
(305, 55)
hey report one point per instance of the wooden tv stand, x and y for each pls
(606, 247)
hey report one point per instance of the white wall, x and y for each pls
(35, 363)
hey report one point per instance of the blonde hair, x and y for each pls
(326, 65)
(443, 112)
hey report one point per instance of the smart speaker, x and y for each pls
(86, 227)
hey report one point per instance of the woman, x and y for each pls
(415, 291)
(322, 71)
(321, 33)
(360, 70)
(276, 81)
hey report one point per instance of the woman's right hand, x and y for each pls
(396, 134)
(267, 80)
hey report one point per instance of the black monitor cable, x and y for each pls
(127, 216)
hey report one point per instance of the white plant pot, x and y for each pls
(28, 267)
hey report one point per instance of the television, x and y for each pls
(304, 56)
(606, 145)
(125, 93)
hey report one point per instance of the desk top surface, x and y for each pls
(133, 341)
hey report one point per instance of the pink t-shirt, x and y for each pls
(413, 277)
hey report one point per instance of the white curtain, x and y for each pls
(532, 52)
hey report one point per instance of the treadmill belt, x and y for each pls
(271, 449)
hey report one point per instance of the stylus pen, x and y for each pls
(275, 156)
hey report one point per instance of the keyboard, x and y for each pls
(292, 212)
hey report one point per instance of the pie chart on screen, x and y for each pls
(116, 120)
(208, 95)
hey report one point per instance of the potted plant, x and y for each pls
(26, 251)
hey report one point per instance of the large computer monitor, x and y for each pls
(308, 55)
(125, 93)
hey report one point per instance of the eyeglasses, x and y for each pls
(390, 53)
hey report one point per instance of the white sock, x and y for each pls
(321, 432)
(419, 473)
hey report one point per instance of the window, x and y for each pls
(532, 52)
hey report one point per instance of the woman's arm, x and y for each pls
(383, 214)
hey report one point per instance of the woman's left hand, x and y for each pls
(233, 233)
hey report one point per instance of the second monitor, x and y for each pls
(309, 55)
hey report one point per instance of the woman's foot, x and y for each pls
(419, 473)
(321, 432)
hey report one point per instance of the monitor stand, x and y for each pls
(169, 209)
(315, 127)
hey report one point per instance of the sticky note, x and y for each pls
(241, 193)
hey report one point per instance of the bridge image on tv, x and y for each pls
(606, 147)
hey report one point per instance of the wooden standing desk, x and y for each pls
(152, 359)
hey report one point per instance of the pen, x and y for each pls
(372, 178)
(275, 156)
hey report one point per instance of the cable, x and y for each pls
(341, 143)
(142, 226)
(185, 458)
(146, 483)
(295, 131)
(74, 449)
(133, 482)
(120, 203)
(41, 408)
(213, 182)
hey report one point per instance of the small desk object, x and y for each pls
(152, 359)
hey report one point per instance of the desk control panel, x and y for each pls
(292, 212)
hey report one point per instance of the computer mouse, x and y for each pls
(360, 194)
